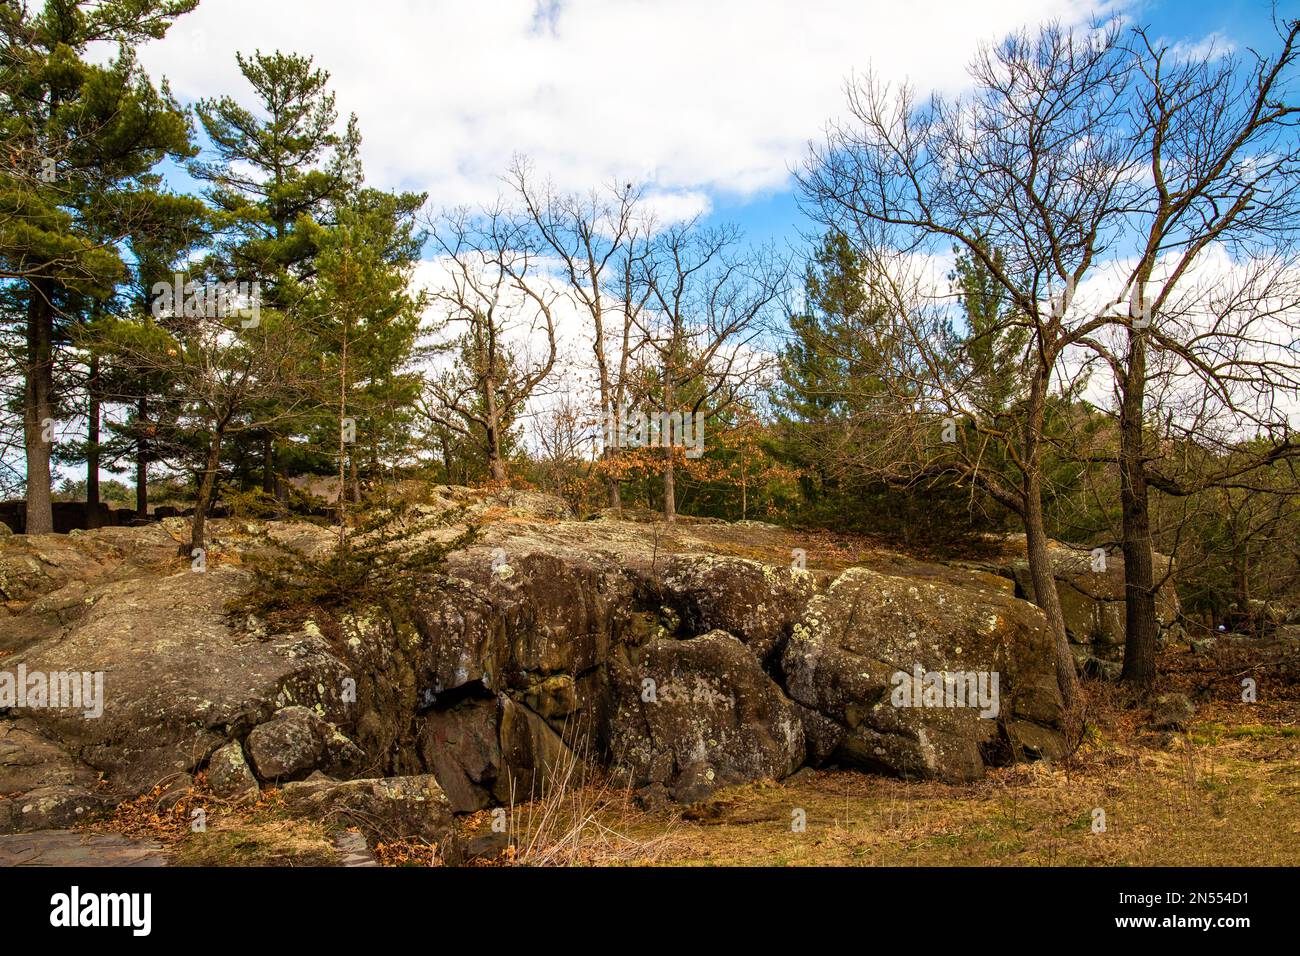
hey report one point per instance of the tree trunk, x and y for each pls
(670, 484)
(343, 447)
(611, 482)
(92, 446)
(206, 487)
(268, 463)
(38, 408)
(141, 460)
(1041, 572)
(1046, 597)
(1141, 628)
(496, 467)
(354, 487)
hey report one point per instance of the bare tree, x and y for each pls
(1077, 157)
(497, 305)
(709, 306)
(1021, 175)
(599, 239)
(1217, 137)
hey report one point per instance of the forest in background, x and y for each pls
(1063, 304)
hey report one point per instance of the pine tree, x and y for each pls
(281, 172)
(77, 138)
(366, 322)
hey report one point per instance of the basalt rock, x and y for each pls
(697, 714)
(524, 659)
(295, 742)
(870, 652)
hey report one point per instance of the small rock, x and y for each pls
(296, 740)
(177, 787)
(229, 775)
(1172, 712)
(653, 796)
(1103, 670)
(385, 809)
(488, 845)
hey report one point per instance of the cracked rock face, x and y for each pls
(693, 715)
(552, 644)
(1091, 590)
(757, 603)
(924, 677)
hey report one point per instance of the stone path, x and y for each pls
(85, 848)
(79, 848)
(353, 850)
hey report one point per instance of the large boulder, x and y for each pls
(693, 715)
(926, 677)
(1092, 594)
(384, 808)
(493, 751)
(296, 741)
(755, 602)
(461, 745)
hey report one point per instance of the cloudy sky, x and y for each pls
(710, 103)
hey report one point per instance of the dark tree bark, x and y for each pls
(207, 487)
(92, 446)
(38, 407)
(142, 459)
(1141, 628)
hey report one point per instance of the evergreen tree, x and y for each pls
(281, 172)
(77, 137)
(366, 322)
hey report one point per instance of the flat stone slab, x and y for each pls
(353, 850)
(79, 848)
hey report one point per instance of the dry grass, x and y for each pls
(1224, 793)
(582, 817)
(261, 834)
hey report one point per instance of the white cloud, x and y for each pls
(696, 100)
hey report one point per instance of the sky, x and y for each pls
(709, 104)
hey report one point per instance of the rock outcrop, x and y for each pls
(680, 659)
(1091, 589)
(924, 677)
(692, 715)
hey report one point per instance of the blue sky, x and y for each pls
(775, 215)
(708, 104)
